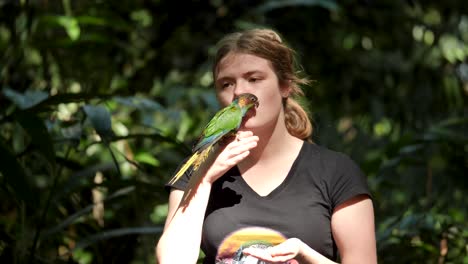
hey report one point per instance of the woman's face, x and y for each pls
(244, 73)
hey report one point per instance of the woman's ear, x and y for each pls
(285, 89)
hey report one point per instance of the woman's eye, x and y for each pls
(253, 79)
(225, 85)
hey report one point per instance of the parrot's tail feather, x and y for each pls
(184, 168)
(202, 157)
(201, 166)
(201, 163)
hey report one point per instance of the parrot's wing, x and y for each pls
(225, 121)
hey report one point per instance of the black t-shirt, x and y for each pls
(301, 206)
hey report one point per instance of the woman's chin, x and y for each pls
(247, 126)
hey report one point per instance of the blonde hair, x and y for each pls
(267, 44)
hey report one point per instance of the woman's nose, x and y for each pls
(240, 88)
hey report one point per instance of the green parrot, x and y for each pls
(224, 123)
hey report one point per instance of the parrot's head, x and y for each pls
(246, 100)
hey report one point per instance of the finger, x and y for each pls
(238, 158)
(242, 143)
(246, 141)
(279, 250)
(233, 154)
(243, 134)
(258, 253)
(240, 147)
(239, 152)
(263, 254)
(280, 259)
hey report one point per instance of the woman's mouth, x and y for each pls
(251, 113)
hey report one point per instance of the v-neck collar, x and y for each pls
(276, 191)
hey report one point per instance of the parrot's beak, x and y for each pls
(253, 109)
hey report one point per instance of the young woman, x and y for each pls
(270, 196)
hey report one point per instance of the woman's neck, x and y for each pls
(274, 143)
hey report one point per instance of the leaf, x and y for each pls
(447, 134)
(139, 103)
(64, 98)
(182, 147)
(276, 4)
(82, 256)
(81, 177)
(453, 121)
(71, 219)
(119, 24)
(72, 132)
(92, 20)
(15, 176)
(38, 133)
(26, 100)
(69, 23)
(116, 233)
(100, 119)
(411, 149)
(159, 213)
(71, 27)
(142, 16)
(144, 157)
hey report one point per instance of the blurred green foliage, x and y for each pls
(100, 100)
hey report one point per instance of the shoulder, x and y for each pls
(326, 157)
(341, 176)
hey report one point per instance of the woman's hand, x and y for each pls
(286, 252)
(233, 153)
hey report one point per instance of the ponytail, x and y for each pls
(297, 120)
